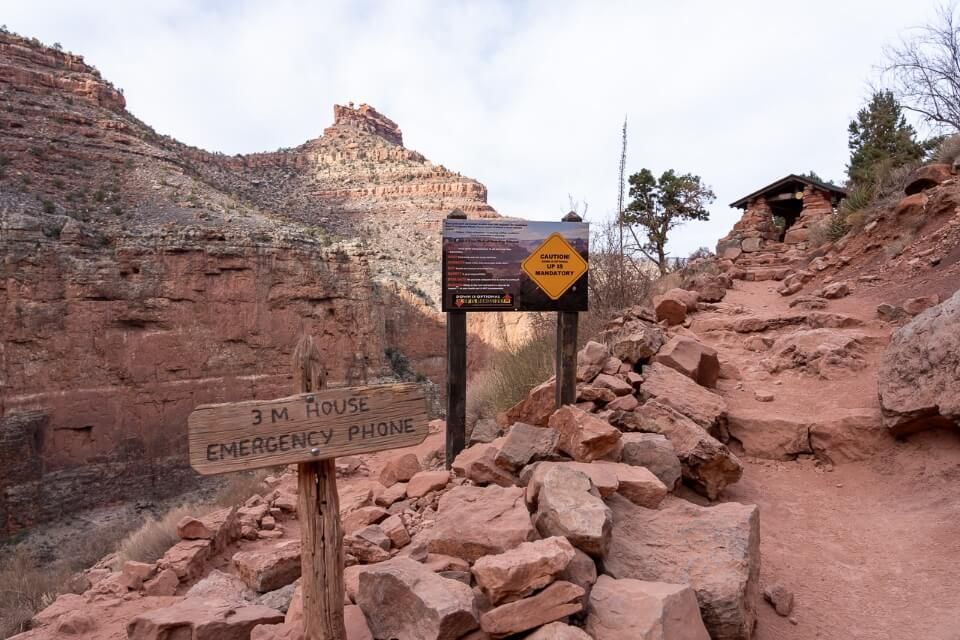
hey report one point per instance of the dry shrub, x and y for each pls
(819, 233)
(240, 486)
(28, 586)
(949, 151)
(511, 375)
(152, 539)
(25, 589)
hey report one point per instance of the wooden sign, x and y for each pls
(306, 427)
(506, 264)
(555, 266)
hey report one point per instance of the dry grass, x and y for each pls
(25, 589)
(511, 374)
(949, 151)
(152, 539)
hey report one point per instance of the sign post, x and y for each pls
(310, 429)
(456, 436)
(566, 361)
(511, 265)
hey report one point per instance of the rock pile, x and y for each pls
(564, 524)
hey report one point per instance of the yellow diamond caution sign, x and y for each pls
(555, 266)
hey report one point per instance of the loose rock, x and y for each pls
(567, 506)
(655, 452)
(517, 573)
(628, 609)
(583, 436)
(559, 600)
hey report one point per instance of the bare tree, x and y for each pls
(923, 69)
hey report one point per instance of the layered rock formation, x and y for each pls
(142, 277)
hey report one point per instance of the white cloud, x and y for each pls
(526, 97)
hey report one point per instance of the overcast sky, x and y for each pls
(527, 97)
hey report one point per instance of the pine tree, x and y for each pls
(880, 139)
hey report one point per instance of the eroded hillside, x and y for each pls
(142, 277)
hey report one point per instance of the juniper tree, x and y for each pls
(659, 205)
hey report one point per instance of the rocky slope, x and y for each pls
(142, 277)
(634, 513)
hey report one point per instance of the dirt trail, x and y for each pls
(870, 548)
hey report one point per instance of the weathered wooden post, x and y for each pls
(566, 360)
(456, 375)
(321, 534)
(310, 429)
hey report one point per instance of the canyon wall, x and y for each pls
(142, 277)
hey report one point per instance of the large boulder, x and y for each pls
(716, 550)
(639, 610)
(927, 177)
(568, 506)
(402, 598)
(918, 378)
(583, 436)
(675, 390)
(515, 574)
(707, 464)
(693, 359)
(476, 521)
(655, 452)
(559, 600)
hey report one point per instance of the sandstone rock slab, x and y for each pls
(476, 521)
(918, 382)
(675, 390)
(693, 359)
(201, 619)
(515, 574)
(557, 601)
(637, 484)
(478, 463)
(399, 468)
(268, 569)
(583, 437)
(526, 443)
